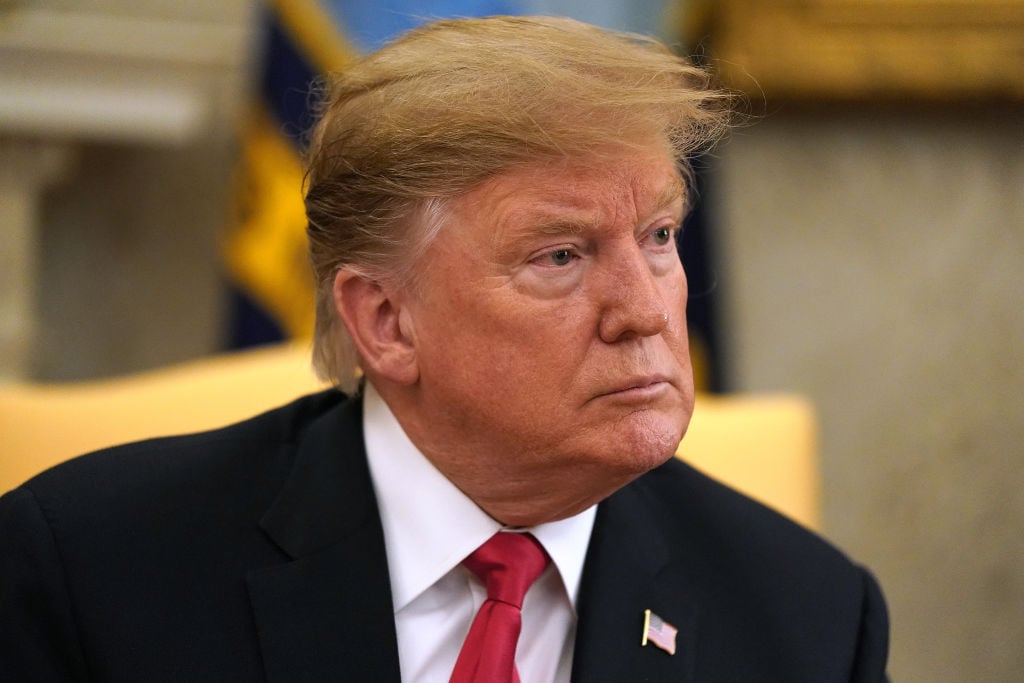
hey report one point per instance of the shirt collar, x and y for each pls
(430, 526)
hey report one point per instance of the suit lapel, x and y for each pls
(327, 614)
(627, 570)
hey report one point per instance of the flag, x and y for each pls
(265, 246)
(659, 632)
(272, 290)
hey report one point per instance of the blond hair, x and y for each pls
(455, 102)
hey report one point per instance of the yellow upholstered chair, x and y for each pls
(44, 424)
(763, 446)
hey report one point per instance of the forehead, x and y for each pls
(624, 186)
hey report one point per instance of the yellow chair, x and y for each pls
(44, 424)
(763, 446)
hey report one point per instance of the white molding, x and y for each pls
(99, 76)
(81, 34)
(116, 112)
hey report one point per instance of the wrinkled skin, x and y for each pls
(543, 362)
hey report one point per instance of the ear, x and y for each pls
(379, 326)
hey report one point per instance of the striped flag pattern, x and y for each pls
(659, 632)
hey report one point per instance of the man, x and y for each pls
(492, 209)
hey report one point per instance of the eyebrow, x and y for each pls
(670, 194)
(559, 226)
(552, 226)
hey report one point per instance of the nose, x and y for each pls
(634, 303)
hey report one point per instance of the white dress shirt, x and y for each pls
(430, 526)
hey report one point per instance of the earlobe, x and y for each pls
(380, 326)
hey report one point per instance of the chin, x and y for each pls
(646, 441)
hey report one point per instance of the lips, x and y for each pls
(639, 387)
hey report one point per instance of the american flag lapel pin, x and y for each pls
(659, 632)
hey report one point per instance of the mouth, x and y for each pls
(639, 388)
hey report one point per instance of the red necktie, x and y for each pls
(508, 563)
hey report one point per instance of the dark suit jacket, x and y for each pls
(255, 552)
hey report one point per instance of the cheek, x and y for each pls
(491, 336)
(533, 357)
(682, 287)
(675, 293)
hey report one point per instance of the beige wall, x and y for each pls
(117, 127)
(875, 261)
(129, 268)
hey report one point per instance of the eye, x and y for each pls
(557, 258)
(560, 257)
(662, 236)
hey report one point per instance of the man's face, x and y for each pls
(550, 334)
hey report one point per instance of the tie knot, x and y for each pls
(508, 564)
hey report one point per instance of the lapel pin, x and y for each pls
(659, 632)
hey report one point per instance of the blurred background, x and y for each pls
(860, 242)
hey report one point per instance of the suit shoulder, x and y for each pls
(254, 449)
(752, 570)
(686, 497)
